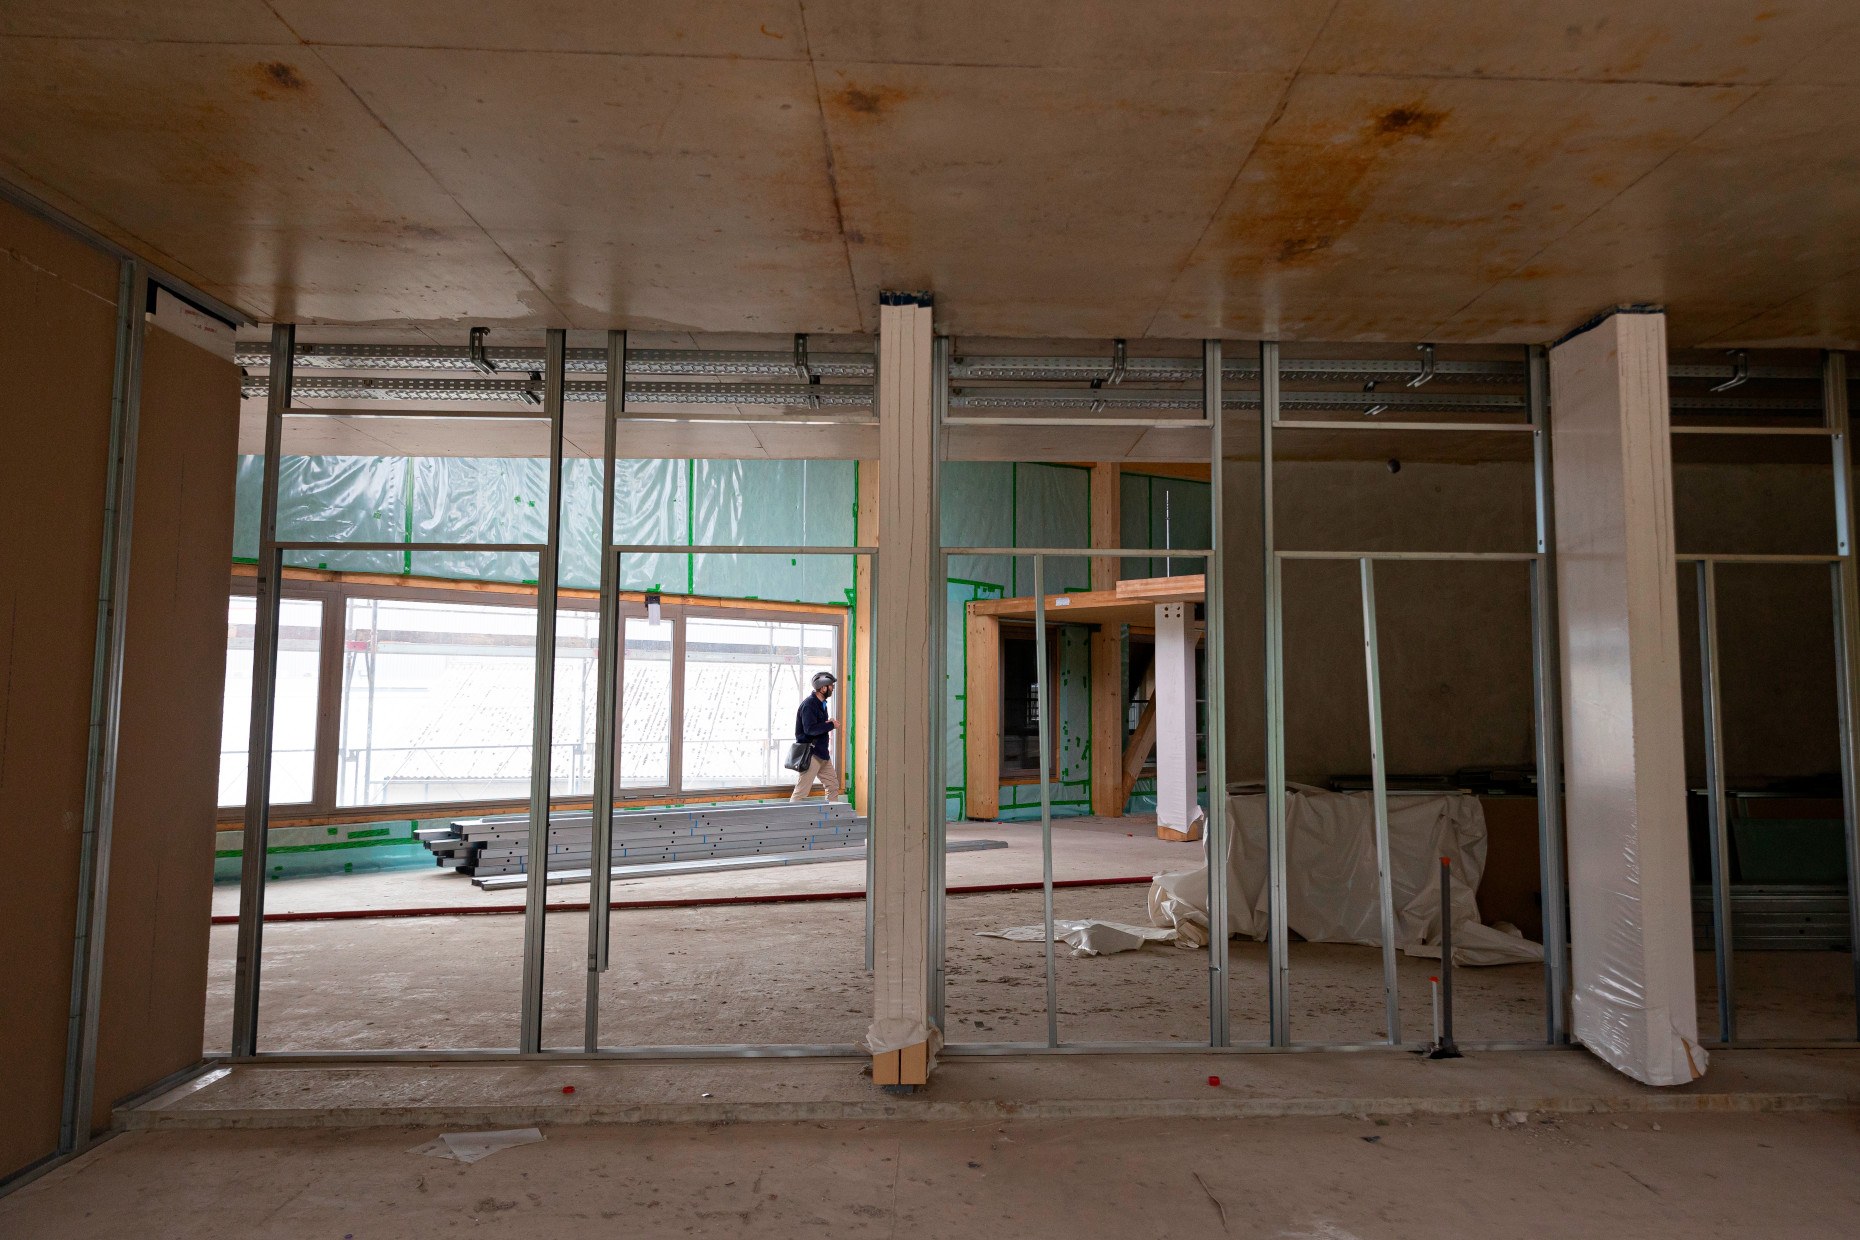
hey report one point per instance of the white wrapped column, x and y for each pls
(1176, 805)
(901, 1038)
(1630, 899)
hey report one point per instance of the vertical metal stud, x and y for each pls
(1379, 789)
(1846, 637)
(1547, 723)
(1040, 689)
(270, 588)
(106, 699)
(1214, 609)
(529, 1031)
(1709, 684)
(1278, 931)
(610, 629)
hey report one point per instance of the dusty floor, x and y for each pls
(1082, 848)
(1683, 1177)
(793, 973)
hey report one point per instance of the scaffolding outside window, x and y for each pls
(293, 747)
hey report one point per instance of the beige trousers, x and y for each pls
(822, 770)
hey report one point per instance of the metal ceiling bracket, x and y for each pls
(1373, 410)
(480, 360)
(1740, 370)
(806, 371)
(1427, 366)
(1120, 359)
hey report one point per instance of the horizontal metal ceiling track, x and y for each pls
(778, 364)
(806, 396)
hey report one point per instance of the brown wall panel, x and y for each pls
(57, 351)
(161, 871)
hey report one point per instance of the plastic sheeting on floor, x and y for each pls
(1091, 937)
(1332, 879)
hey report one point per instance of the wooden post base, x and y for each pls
(1174, 836)
(910, 1066)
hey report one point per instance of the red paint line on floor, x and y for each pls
(802, 897)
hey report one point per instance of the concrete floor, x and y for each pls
(1082, 848)
(1683, 1177)
(793, 973)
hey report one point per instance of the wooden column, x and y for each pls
(1107, 522)
(865, 627)
(1633, 1001)
(982, 735)
(901, 1039)
(1107, 649)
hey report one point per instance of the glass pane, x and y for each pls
(577, 680)
(293, 737)
(646, 704)
(436, 702)
(744, 680)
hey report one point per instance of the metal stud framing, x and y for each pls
(1844, 571)
(1543, 705)
(269, 585)
(542, 704)
(600, 874)
(1846, 574)
(1546, 717)
(106, 696)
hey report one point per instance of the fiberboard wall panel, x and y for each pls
(57, 351)
(161, 888)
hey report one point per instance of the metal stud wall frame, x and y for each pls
(267, 586)
(1844, 577)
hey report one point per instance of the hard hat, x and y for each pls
(825, 678)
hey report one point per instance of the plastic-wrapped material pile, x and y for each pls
(1332, 888)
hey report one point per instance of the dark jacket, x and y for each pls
(811, 723)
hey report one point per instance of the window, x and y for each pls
(1020, 702)
(294, 718)
(646, 704)
(431, 689)
(436, 702)
(744, 680)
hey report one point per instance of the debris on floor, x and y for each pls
(1091, 937)
(469, 1147)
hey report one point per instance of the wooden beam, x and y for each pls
(400, 581)
(1187, 588)
(1128, 601)
(982, 698)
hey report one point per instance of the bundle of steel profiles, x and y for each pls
(499, 845)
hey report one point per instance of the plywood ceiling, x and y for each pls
(1475, 170)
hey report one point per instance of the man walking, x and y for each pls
(812, 726)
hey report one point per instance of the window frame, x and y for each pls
(334, 591)
(1011, 630)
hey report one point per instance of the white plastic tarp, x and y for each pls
(1091, 937)
(1332, 885)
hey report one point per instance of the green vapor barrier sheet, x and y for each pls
(725, 502)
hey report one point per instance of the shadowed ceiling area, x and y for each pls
(1348, 170)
